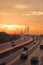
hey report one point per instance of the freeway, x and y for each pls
(17, 60)
(18, 50)
(37, 52)
(17, 42)
(41, 52)
(15, 48)
(13, 57)
(15, 54)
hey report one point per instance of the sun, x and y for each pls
(7, 26)
(12, 26)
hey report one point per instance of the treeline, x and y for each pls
(4, 37)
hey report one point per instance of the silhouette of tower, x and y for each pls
(26, 31)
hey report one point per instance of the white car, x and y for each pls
(12, 43)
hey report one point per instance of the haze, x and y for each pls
(23, 12)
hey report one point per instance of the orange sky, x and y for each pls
(20, 28)
(22, 12)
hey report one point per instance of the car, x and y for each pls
(33, 42)
(12, 43)
(24, 55)
(34, 60)
(25, 48)
(41, 46)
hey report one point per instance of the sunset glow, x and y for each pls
(12, 28)
(17, 14)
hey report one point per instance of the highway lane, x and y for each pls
(37, 52)
(15, 54)
(8, 44)
(14, 48)
(18, 61)
(27, 62)
(41, 59)
(41, 52)
(17, 42)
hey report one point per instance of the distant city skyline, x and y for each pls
(11, 29)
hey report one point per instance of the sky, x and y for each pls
(22, 12)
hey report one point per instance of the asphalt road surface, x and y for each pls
(32, 51)
(13, 58)
(15, 54)
(17, 42)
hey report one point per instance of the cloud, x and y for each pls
(20, 6)
(30, 13)
(33, 13)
